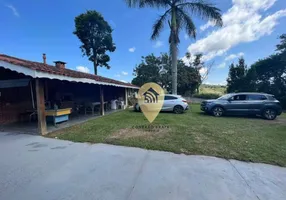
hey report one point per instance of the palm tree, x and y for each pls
(178, 16)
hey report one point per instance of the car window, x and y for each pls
(238, 98)
(224, 97)
(271, 97)
(256, 97)
(170, 98)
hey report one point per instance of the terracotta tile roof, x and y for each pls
(37, 66)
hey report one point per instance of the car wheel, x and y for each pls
(178, 109)
(269, 114)
(217, 111)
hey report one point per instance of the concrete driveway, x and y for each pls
(33, 167)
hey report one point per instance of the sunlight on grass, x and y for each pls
(248, 139)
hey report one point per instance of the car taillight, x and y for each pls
(185, 101)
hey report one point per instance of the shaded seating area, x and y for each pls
(48, 96)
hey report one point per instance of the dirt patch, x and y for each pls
(277, 121)
(139, 133)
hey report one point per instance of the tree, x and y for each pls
(147, 71)
(281, 48)
(271, 75)
(96, 37)
(190, 79)
(236, 77)
(267, 75)
(177, 15)
(158, 69)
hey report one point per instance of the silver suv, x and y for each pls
(173, 103)
(261, 104)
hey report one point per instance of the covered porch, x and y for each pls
(32, 127)
(40, 105)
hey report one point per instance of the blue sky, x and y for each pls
(33, 27)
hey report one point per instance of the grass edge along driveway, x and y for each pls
(191, 133)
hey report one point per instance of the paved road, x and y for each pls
(33, 167)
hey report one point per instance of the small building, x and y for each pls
(34, 91)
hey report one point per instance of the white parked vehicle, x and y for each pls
(172, 103)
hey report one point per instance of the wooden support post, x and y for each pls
(126, 98)
(101, 101)
(40, 95)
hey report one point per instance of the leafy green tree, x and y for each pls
(147, 71)
(178, 15)
(158, 70)
(95, 35)
(250, 80)
(267, 75)
(271, 75)
(281, 48)
(236, 77)
(190, 79)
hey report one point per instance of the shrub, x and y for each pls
(207, 96)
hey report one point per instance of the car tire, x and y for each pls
(269, 114)
(178, 109)
(217, 111)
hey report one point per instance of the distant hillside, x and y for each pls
(214, 89)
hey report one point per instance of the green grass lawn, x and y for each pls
(212, 89)
(248, 139)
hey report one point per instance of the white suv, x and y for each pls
(173, 103)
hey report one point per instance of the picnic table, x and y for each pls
(91, 105)
(58, 115)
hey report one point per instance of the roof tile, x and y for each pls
(54, 70)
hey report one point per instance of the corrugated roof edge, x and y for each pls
(50, 69)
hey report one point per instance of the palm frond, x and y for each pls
(187, 22)
(148, 3)
(204, 10)
(159, 25)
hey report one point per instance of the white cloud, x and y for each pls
(221, 66)
(123, 81)
(207, 25)
(13, 9)
(233, 56)
(243, 23)
(158, 44)
(117, 75)
(132, 49)
(203, 70)
(124, 73)
(82, 69)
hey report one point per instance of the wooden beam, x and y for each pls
(126, 98)
(101, 101)
(46, 90)
(40, 95)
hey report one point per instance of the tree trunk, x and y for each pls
(174, 51)
(174, 67)
(95, 67)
